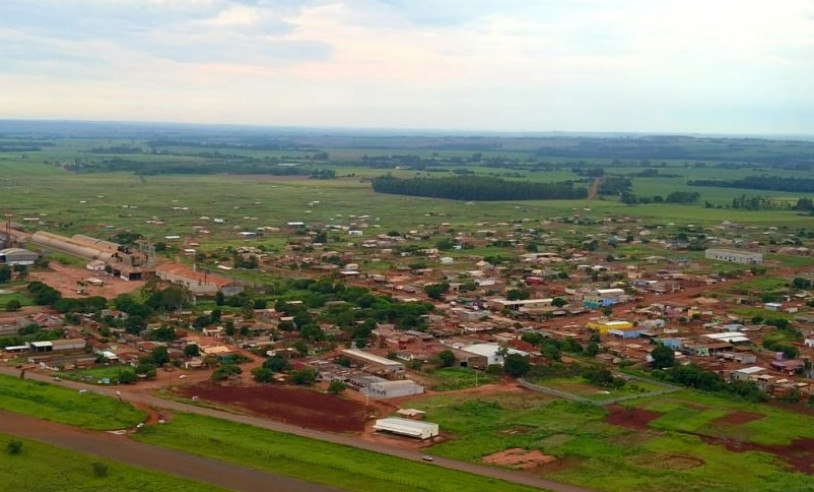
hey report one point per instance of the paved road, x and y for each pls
(132, 394)
(120, 448)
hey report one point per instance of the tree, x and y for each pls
(559, 302)
(516, 365)
(5, 274)
(192, 350)
(13, 305)
(304, 377)
(592, 349)
(436, 291)
(336, 387)
(446, 358)
(263, 375)
(134, 324)
(158, 356)
(663, 357)
(517, 294)
(276, 363)
(22, 272)
(225, 371)
(126, 377)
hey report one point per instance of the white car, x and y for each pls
(426, 457)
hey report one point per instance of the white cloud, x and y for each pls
(514, 64)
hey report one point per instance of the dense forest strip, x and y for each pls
(769, 183)
(479, 188)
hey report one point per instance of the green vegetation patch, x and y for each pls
(596, 454)
(67, 406)
(339, 466)
(43, 468)
(455, 378)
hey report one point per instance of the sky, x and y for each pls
(689, 66)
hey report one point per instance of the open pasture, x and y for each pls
(680, 441)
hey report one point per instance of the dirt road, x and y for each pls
(132, 394)
(120, 448)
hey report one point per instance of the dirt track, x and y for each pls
(120, 448)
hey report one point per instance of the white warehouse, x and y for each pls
(393, 389)
(406, 427)
(734, 256)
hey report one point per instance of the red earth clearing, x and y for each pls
(296, 406)
(635, 418)
(519, 459)
(738, 418)
(799, 455)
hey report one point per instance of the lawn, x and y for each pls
(608, 457)
(44, 468)
(580, 387)
(67, 406)
(97, 374)
(339, 466)
(455, 378)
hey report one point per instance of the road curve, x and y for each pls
(131, 394)
(120, 448)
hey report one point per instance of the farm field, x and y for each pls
(681, 441)
(43, 468)
(298, 406)
(294, 456)
(51, 402)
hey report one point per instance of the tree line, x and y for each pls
(770, 183)
(478, 188)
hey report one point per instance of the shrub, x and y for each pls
(99, 469)
(14, 447)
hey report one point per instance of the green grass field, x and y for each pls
(339, 466)
(42, 468)
(455, 378)
(612, 458)
(580, 387)
(67, 406)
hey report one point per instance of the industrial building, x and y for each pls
(382, 390)
(734, 256)
(406, 427)
(492, 352)
(17, 256)
(199, 283)
(78, 245)
(374, 364)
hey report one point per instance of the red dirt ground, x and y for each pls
(799, 455)
(636, 418)
(64, 279)
(519, 459)
(738, 418)
(296, 406)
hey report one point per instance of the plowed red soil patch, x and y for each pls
(738, 418)
(296, 406)
(636, 418)
(799, 455)
(519, 459)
